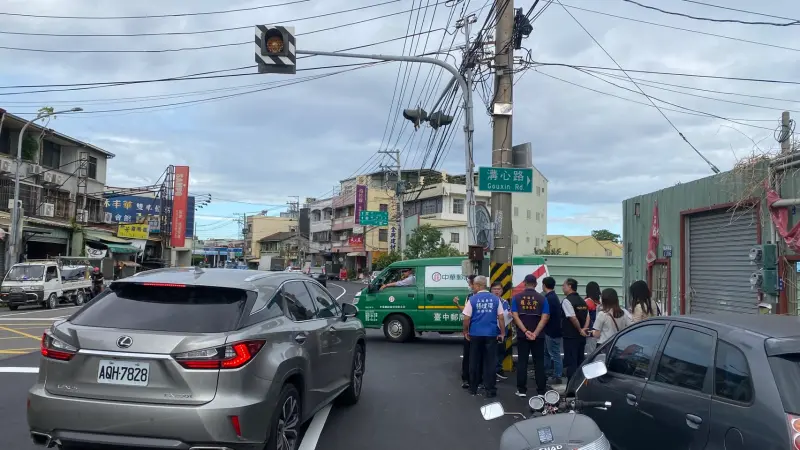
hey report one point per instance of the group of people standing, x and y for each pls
(545, 326)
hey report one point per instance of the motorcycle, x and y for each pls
(555, 422)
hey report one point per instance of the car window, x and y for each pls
(180, 309)
(326, 305)
(633, 350)
(732, 378)
(686, 359)
(299, 305)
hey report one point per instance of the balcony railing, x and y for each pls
(343, 223)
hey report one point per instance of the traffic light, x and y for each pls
(439, 119)
(416, 116)
(275, 49)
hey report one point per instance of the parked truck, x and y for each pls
(271, 263)
(47, 283)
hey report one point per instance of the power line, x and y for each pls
(709, 19)
(676, 74)
(704, 33)
(739, 10)
(187, 33)
(183, 49)
(713, 167)
(153, 16)
(195, 76)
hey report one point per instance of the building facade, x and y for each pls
(320, 221)
(442, 204)
(583, 246)
(707, 229)
(259, 227)
(61, 180)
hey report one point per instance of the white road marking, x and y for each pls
(19, 370)
(14, 314)
(344, 291)
(314, 431)
(29, 319)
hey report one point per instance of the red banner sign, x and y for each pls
(180, 199)
(356, 240)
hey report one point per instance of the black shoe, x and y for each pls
(491, 394)
(501, 375)
(465, 384)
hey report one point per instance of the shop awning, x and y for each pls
(104, 238)
(121, 249)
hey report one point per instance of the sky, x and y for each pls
(253, 141)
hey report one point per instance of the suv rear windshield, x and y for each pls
(190, 309)
(786, 371)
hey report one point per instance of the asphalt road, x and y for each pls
(21, 330)
(412, 396)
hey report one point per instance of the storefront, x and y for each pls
(115, 251)
(44, 239)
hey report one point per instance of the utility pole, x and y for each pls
(786, 144)
(500, 268)
(469, 63)
(399, 189)
(294, 210)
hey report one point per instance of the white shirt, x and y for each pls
(407, 281)
(566, 306)
(605, 324)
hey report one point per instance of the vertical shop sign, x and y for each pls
(180, 204)
(361, 201)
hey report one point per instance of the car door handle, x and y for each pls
(430, 297)
(693, 421)
(300, 338)
(631, 399)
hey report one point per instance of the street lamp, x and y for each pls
(198, 206)
(11, 255)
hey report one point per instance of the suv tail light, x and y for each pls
(794, 430)
(55, 348)
(231, 356)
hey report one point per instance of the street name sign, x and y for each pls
(505, 179)
(374, 218)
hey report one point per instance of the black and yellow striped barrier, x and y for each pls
(501, 272)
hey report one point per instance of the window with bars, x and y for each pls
(28, 195)
(60, 201)
(92, 169)
(384, 207)
(51, 155)
(383, 235)
(458, 206)
(454, 238)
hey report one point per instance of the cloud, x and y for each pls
(302, 138)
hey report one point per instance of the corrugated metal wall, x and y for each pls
(604, 270)
(718, 278)
(714, 190)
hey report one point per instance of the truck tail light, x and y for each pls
(230, 356)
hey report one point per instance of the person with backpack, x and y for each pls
(593, 303)
(611, 319)
(643, 306)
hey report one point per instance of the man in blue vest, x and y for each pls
(484, 327)
(531, 311)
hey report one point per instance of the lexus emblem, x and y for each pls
(124, 342)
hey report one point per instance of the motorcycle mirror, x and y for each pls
(594, 370)
(492, 411)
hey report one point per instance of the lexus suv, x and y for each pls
(190, 358)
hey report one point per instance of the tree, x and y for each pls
(549, 251)
(605, 235)
(426, 242)
(386, 259)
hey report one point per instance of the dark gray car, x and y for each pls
(197, 358)
(710, 381)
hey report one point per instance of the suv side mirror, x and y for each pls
(349, 310)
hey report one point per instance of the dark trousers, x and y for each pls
(482, 361)
(465, 362)
(536, 349)
(573, 354)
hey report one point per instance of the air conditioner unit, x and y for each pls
(82, 216)
(49, 178)
(34, 169)
(59, 179)
(11, 203)
(47, 210)
(108, 218)
(5, 166)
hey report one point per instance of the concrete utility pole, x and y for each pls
(294, 209)
(469, 128)
(786, 145)
(500, 267)
(399, 190)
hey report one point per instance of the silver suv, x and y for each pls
(197, 358)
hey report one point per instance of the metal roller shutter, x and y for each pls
(2, 257)
(718, 276)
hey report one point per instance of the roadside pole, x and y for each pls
(399, 191)
(500, 267)
(276, 52)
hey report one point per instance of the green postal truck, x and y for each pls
(427, 305)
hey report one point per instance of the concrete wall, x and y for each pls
(263, 226)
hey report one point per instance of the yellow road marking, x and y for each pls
(21, 333)
(28, 328)
(14, 337)
(18, 351)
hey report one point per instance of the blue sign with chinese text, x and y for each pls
(134, 208)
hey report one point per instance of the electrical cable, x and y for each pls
(708, 19)
(739, 10)
(704, 33)
(188, 33)
(182, 49)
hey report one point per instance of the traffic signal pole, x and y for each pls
(500, 269)
(468, 119)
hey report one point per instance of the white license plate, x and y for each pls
(126, 373)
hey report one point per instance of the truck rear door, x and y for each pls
(441, 285)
